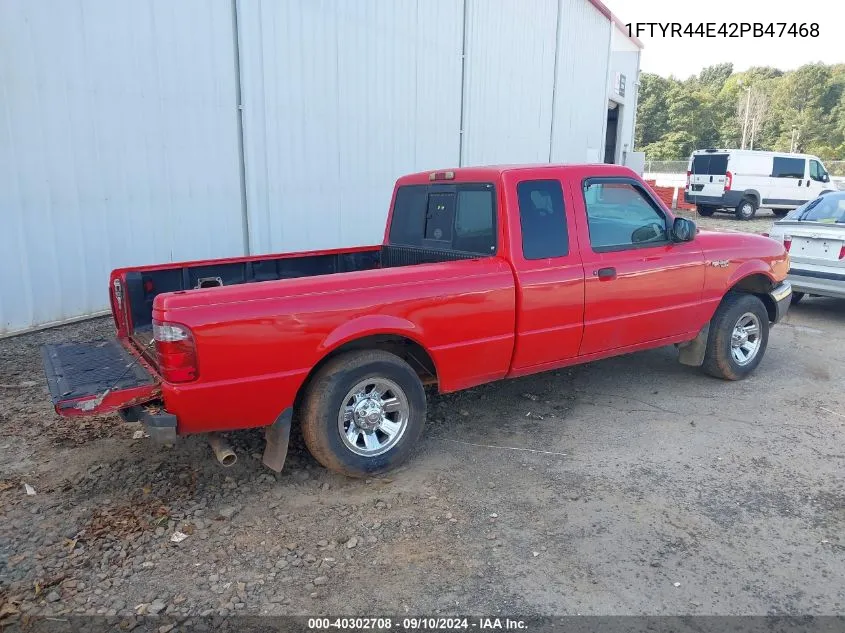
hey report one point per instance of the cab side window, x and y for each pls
(621, 216)
(817, 172)
(542, 218)
(788, 167)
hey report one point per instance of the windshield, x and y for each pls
(827, 209)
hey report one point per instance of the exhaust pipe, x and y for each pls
(222, 451)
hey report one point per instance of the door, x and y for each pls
(790, 180)
(549, 273)
(639, 286)
(819, 179)
(707, 175)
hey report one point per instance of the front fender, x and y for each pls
(748, 268)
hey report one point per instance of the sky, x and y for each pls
(686, 56)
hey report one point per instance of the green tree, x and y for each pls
(676, 117)
(713, 78)
(652, 109)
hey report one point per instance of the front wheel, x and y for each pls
(363, 413)
(781, 213)
(705, 212)
(739, 334)
(796, 297)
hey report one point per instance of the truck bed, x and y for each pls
(143, 285)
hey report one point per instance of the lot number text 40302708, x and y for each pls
(726, 29)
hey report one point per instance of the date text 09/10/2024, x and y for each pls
(726, 29)
(418, 624)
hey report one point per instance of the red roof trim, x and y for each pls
(619, 23)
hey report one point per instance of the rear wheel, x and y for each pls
(796, 297)
(705, 212)
(780, 212)
(746, 209)
(739, 334)
(363, 412)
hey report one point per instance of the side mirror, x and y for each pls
(683, 230)
(826, 178)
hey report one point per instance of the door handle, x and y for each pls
(799, 182)
(605, 274)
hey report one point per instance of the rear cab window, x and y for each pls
(456, 217)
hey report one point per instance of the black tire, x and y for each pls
(796, 298)
(705, 212)
(746, 209)
(780, 212)
(324, 399)
(719, 360)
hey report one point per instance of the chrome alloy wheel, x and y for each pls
(745, 338)
(373, 417)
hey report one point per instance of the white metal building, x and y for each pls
(143, 132)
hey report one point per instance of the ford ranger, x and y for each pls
(484, 273)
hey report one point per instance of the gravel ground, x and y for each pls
(652, 489)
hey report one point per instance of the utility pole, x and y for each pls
(747, 110)
(794, 144)
(753, 132)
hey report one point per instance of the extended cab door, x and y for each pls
(548, 270)
(639, 286)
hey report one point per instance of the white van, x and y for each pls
(742, 181)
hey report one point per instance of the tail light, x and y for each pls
(842, 252)
(177, 353)
(689, 178)
(787, 242)
(729, 177)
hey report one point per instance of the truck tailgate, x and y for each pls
(96, 377)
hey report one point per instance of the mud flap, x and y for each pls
(692, 352)
(277, 437)
(96, 377)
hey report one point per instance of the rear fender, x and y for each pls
(371, 325)
(754, 194)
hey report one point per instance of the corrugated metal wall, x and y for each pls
(119, 123)
(118, 146)
(341, 98)
(508, 120)
(580, 112)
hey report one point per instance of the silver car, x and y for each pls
(814, 235)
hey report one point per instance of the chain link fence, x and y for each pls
(835, 167)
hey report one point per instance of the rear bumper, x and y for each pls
(729, 199)
(827, 284)
(159, 425)
(782, 297)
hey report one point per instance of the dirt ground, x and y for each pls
(628, 486)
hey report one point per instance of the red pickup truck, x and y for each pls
(484, 273)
